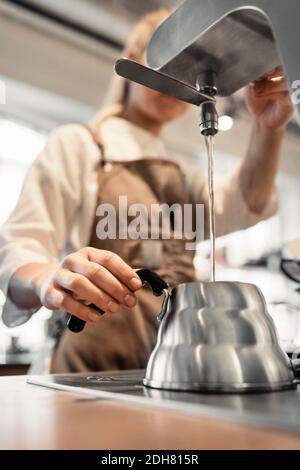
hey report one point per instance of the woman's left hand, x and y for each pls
(269, 101)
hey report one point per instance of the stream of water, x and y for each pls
(209, 141)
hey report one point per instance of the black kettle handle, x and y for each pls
(157, 284)
(76, 325)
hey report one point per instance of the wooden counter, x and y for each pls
(38, 418)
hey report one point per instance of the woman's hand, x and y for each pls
(269, 101)
(270, 104)
(95, 276)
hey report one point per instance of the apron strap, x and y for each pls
(98, 142)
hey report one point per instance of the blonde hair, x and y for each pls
(137, 44)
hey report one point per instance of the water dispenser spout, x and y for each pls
(209, 119)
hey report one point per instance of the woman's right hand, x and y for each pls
(95, 276)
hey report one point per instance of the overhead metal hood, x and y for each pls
(239, 40)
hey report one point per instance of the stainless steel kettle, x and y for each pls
(217, 337)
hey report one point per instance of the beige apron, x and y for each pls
(126, 339)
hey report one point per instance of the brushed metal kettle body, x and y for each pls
(218, 337)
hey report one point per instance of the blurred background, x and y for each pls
(56, 63)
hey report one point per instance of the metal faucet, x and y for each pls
(202, 95)
(209, 119)
(237, 41)
(240, 40)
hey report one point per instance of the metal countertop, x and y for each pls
(279, 410)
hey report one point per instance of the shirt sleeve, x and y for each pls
(38, 228)
(231, 210)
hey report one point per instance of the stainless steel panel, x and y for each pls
(241, 41)
(160, 82)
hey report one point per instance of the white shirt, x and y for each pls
(56, 209)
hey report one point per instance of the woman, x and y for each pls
(123, 155)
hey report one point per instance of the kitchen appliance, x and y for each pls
(237, 41)
(203, 94)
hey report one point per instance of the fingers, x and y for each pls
(268, 86)
(113, 263)
(105, 280)
(275, 95)
(271, 93)
(85, 289)
(56, 299)
(96, 276)
(282, 97)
